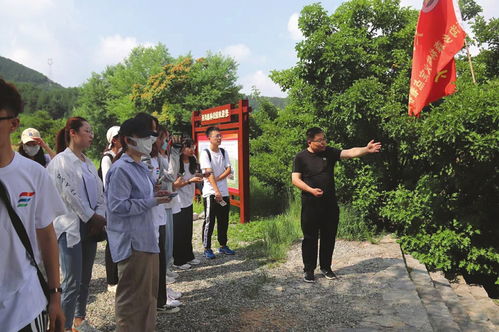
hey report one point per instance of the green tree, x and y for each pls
(43, 122)
(435, 183)
(105, 98)
(187, 85)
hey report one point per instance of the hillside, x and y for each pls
(276, 101)
(16, 72)
(38, 92)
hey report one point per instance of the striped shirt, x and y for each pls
(130, 202)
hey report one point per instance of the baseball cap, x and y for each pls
(28, 135)
(111, 133)
(135, 126)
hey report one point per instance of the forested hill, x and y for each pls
(39, 93)
(16, 72)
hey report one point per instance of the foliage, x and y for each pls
(58, 102)
(351, 226)
(187, 85)
(15, 72)
(105, 98)
(43, 122)
(269, 237)
(264, 201)
(436, 181)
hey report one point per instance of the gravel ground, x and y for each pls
(239, 293)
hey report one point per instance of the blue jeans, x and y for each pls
(76, 266)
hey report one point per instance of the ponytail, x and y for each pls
(63, 138)
(124, 147)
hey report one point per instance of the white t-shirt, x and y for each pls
(159, 210)
(171, 176)
(105, 164)
(218, 164)
(186, 193)
(37, 203)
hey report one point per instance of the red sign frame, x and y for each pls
(236, 121)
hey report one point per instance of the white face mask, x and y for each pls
(31, 150)
(144, 145)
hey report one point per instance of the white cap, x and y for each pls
(111, 133)
(28, 134)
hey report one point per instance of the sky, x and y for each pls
(81, 37)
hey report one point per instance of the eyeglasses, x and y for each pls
(322, 140)
(7, 117)
(217, 136)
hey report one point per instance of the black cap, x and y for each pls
(137, 127)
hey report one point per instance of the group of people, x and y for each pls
(56, 207)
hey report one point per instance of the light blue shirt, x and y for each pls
(130, 202)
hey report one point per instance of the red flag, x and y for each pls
(439, 36)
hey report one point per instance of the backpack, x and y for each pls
(209, 154)
(200, 185)
(99, 171)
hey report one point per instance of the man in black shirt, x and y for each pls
(313, 173)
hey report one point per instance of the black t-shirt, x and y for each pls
(317, 170)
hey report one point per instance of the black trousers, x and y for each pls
(162, 267)
(214, 211)
(319, 216)
(111, 267)
(182, 236)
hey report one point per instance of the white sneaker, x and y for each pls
(112, 288)
(195, 262)
(85, 327)
(171, 274)
(182, 267)
(171, 303)
(166, 310)
(173, 294)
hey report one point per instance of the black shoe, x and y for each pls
(309, 277)
(329, 274)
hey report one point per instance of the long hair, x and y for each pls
(63, 137)
(124, 147)
(187, 143)
(39, 157)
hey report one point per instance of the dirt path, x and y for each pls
(239, 293)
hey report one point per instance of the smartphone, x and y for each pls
(171, 195)
(222, 203)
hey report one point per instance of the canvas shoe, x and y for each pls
(166, 310)
(309, 277)
(173, 294)
(195, 262)
(182, 267)
(171, 274)
(226, 250)
(208, 253)
(85, 327)
(171, 303)
(329, 274)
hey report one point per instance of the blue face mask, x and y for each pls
(164, 145)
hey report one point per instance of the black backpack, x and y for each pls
(209, 154)
(99, 171)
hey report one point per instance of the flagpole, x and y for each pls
(469, 61)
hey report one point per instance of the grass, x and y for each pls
(352, 228)
(270, 237)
